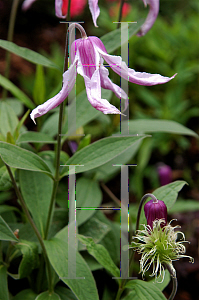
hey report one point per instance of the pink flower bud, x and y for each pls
(155, 210)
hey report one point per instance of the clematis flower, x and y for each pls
(61, 7)
(26, 4)
(87, 56)
(155, 210)
(152, 15)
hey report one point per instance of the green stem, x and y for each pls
(10, 38)
(175, 283)
(140, 207)
(58, 148)
(120, 13)
(22, 202)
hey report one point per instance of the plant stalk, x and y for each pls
(23, 204)
(10, 38)
(175, 283)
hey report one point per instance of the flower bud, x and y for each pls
(155, 210)
(164, 173)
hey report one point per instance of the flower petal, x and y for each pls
(94, 9)
(68, 82)
(141, 78)
(106, 83)
(58, 9)
(26, 4)
(93, 89)
(152, 15)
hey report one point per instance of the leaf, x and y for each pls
(162, 285)
(6, 233)
(183, 206)
(5, 181)
(100, 253)
(8, 119)
(47, 296)
(36, 190)
(88, 195)
(30, 259)
(19, 158)
(28, 54)
(143, 291)
(167, 193)
(8, 85)
(64, 293)
(100, 152)
(35, 137)
(84, 289)
(112, 40)
(3, 283)
(26, 295)
(144, 126)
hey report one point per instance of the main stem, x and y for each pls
(10, 38)
(33, 227)
(175, 283)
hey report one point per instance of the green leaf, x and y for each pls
(64, 293)
(8, 119)
(144, 126)
(112, 40)
(8, 85)
(143, 291)
(100, 253)
(30, 259)
(100, 152)
(47, 296)
(19, 158)
(162, 285)
(167, 193)
(182, 206)
(84, 142)
(3, 283)
(35, 137)
(28, 54)
(6, 233)
(26, 295)
(5, 181)
(84, 289)
(88, 195)
(36, 190)
(6, 208)
(39, 90)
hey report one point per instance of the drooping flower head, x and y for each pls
(155, 210)
(87, 55)
(159, 247)
(152, 15)
(77, 6)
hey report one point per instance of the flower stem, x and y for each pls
(10, 38)
(174, 281)
(58, 148)
(120, 13)
(23, 204)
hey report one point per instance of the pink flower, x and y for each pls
(87, 55)
(76, 8)
(27, 3)
(155, 210)
(152, 15)
(61, 7)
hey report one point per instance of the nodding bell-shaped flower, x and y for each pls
(61, 7)
(164, 174)
(155, 210)
(152, 15)
(87, 56)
